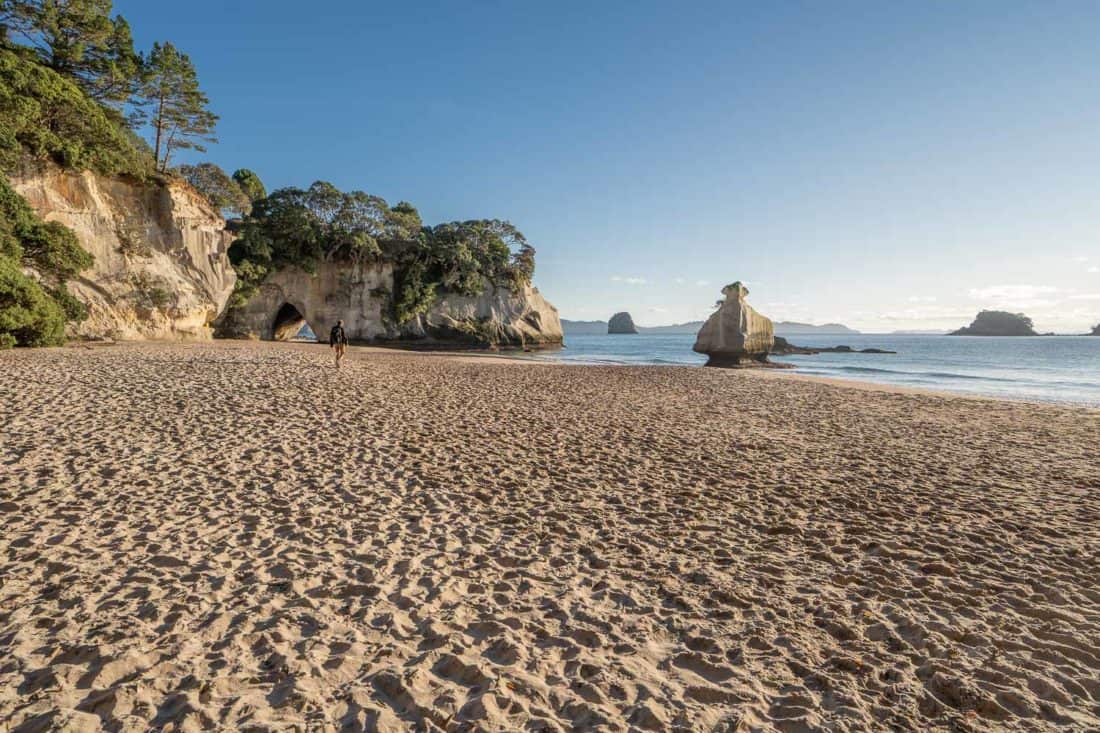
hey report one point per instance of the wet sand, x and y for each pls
(236, 536)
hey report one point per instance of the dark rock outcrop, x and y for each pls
(621, 323)
(1095, 330)
(782, 347)
(998, 323)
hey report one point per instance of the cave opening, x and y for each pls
(291, 325)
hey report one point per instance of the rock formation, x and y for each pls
(1095, 330)
(998, 323)
(292, 297)
(359, 294)
(499, 317)
(783, 347)
(621, 323)
(735, 335)
(161, 270)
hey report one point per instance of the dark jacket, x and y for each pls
(338, 336)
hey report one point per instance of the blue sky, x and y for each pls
(885, 165)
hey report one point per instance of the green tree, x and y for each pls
(46, 115)
(403, 222)
(304, 227)
(250, 183)
(522, 267)
(28, 315)
(79, 39)
(170, 100)
(215, 184)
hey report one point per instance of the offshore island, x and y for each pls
(231, 534)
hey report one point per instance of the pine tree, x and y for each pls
(79, 39)
(171, 101)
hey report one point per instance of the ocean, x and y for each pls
(1062, 369)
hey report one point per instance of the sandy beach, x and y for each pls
(234, 535)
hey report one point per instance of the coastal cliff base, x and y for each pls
(161, 267)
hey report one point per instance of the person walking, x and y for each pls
(338, 340)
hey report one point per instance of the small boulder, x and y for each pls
(735, 334)
(621, 323)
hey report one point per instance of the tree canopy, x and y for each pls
(170, 99)
(304, 227)
(250, 184)
(78, 39)
(296, 227)
(223, 192)
(46, 115)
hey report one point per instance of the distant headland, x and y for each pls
(789, 328)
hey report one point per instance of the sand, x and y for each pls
(235, 536)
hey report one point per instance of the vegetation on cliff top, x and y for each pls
(302, 228)
(73, 91)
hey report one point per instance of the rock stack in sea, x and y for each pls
(735, 335)
(621, 323)
(998, 323)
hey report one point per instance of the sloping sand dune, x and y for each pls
(235, 536)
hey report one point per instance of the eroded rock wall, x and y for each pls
(360, 295)
(161, 268)
(735, 333)
(356, 293)
(497, 317)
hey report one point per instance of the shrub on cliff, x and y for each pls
(33, 313)
(28, 315)
(222, 191)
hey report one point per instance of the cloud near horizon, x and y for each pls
(629, 280)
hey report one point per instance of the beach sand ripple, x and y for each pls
(236, 536)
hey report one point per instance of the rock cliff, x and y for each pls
(359, 295)
(291, 297)
(621, 323)
(735, 334)
(1095, 330)
(998, 323)
(497, 317)
(161, 269)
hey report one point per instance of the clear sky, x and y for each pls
(884, 165)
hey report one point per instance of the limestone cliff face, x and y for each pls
(291, 297)
(359, 294)
(161, 268)
(497, 317)
(735, 334)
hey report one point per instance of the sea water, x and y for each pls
(1046, 368)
